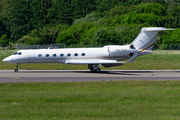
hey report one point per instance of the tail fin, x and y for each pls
(146, 38)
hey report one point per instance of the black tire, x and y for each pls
(98, 70)
(16, 70)
(92, 70)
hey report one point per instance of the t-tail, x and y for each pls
(145, 40)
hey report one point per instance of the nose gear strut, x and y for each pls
(17, 66)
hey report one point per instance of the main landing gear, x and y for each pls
(94, 68)
(17, 66)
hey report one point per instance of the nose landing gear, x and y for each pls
(17, 66)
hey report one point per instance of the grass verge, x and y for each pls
(136, 100)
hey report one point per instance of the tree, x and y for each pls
(66, 38)
(154, 8)
(4, 41)
(173, 19)
(105, 36)
(172, 37)
(16, 16)
(3, 29)
(20, 17)
(48, 34)
(60, 12)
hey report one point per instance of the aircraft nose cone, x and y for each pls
(8, 60)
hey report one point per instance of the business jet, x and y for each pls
(107, 56)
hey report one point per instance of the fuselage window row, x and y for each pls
(54, 55)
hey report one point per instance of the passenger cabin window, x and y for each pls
(75, 54)
(54, 55)
(68, 54)
(47, 55)
(40, 55)
(15, 53)
(19, 53)
(83, 54)
(61, 55)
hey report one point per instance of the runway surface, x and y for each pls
(86, 75)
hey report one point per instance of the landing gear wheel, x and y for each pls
(98, 70)
(15, 70)
(92, 69)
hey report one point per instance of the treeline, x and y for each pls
(86, 21)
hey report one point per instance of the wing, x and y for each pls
(105, 63)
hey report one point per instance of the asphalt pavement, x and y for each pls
(86, 75)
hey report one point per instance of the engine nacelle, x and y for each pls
(121, 51)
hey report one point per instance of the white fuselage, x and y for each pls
(63, 55)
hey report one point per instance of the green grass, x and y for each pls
(158, 60)
(134, 100)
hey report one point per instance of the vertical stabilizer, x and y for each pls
(146, 38)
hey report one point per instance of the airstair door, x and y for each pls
(109, 50)
(31, 56)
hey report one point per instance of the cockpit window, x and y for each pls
(15, 53)
(19, 53)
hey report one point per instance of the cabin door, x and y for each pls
(109, 50)
(31, 56)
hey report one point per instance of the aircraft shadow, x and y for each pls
(120, 72)
(116, 72)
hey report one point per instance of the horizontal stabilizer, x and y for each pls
(155, 29)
